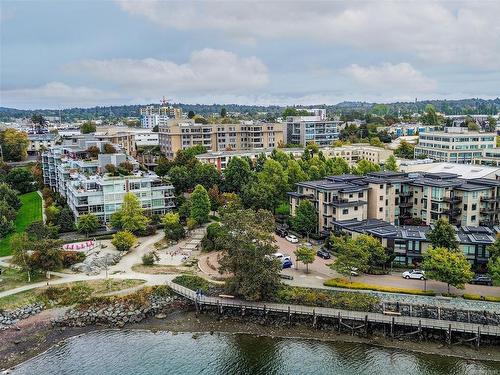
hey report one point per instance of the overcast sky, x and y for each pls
(57, 54)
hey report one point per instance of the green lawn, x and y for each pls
(31, 210)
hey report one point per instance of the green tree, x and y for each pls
(206, 175)
(111, 169)
(191, 114)
(295, 174)
(306, 218)
(258, 195)
(492, 124)
(130, 216)
(237, 174)
(405, 150)
(351, 257)
(9, 195)
(305, 255)
(47, 255)
(21, 180)
(87, 224)
(14, 144)
(248, 245)
(125, 168)
(447, 266)
(163, 166)
(223, 112)
(494, 268)
(430, 116)
(123, 240)
(150, 258)
(443, 234)
(378, 254)
(65, 220)
(391, 164)
(88, 127)
(336, 166)
(200, 205)
(364, 167)
(52, 214)
(181, 178)
(274, 176)
(173, 228)
(93, 151)
(37, 231)
(109, 148)
(21, 253)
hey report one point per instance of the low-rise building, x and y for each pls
(409, 243)
(455, 145)
(41, 142)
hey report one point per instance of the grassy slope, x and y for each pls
(31, 210)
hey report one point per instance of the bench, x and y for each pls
(287, 277)
(392, 313)
(226, 296)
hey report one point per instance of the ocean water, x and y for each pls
(150, 353)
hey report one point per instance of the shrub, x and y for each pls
(343, 283)
(193, 282)
(150, 258)
(323, 298)
(71, 257)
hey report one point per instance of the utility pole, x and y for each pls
(1, 152)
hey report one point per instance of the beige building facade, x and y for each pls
(180, 134)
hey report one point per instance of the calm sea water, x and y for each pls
(148, 353)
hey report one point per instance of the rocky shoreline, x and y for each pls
(173, 314)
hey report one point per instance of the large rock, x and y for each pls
(94, 265)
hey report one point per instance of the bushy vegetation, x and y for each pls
(343, 283)
(481, 298)
(194, 282)
(323, 298)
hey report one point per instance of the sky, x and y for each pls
(59, 54)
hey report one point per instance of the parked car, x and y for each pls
(292, 238)
(287, 263)
(482, 280)
(414, 274)
(323, 254)
(282, 257)
(354, 271)
(282, 232)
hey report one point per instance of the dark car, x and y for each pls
(287, 263)
(323, 254)
(281, 232)
(482, 280)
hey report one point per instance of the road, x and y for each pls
(319, 272)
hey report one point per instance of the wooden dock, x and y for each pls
(358, 320)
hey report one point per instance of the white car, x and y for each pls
(292, 238)
(414, 274)
(282, 257)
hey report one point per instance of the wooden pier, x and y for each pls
(353, 321)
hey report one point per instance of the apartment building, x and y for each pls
(152, 116)
(89, 189)
(124, 139)
(180, 134)
(409, 243)
(403, 129)
(299, 130)
(401, 198)
(102, 195)
(358, 151)
(455, 145)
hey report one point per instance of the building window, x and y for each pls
(381, 186)
(345, 211)
(381, 198)
(381, 209)
(473, 218)
(355, 208)
(465, 207)
(360, 195)
(474, 206)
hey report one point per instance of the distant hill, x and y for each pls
(449, 107)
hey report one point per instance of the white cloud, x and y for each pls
(58, 95)
(206, 71)
(438, 32)
(398, 78)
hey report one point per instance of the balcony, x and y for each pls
(452, 212)
(346, 203)
(406, 194)
(489, 210)
(490, 199)
(452, 200)
(406, 204)
(405, 215)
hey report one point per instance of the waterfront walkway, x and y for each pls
(314, 312)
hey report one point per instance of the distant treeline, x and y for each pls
(448, 107)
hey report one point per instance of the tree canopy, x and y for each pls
(443, 234)
(130, 216)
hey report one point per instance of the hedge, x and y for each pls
(343, 283)
(481, 298)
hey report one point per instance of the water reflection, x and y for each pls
(147, 353)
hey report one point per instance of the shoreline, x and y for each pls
(36, 338)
